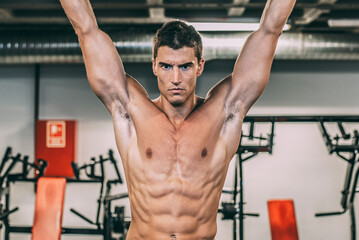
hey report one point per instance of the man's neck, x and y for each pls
(176, 113)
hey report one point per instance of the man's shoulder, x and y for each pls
(221, 88)
(135, 88)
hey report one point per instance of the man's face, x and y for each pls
(177, 72)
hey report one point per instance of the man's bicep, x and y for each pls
(252, 68)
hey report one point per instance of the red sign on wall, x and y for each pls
(56, 143)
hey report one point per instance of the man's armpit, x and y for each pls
(120, 112)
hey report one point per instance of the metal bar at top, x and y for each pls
(101, 4)
(308, 118)
(252, 148)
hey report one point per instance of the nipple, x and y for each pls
(204, 152)
(149, 153)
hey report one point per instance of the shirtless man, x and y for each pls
(176, 149)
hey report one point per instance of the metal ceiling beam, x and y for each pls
(311, 14)
(156, 13)
(100, 20)
(6, 14)
(323, 5)
(237, 11)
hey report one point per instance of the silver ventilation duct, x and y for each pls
(62, 47)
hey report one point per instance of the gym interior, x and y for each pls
(299, 142)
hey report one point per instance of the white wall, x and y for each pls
(300, 167)
(17, 123)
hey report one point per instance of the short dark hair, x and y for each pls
(177, 34)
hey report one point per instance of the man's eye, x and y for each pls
(166, 67)
(185, 67)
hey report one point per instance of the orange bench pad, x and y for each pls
(49, 205)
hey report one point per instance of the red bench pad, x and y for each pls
(282, 219)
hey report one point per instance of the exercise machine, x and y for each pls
(7, 165)
(234, 210)
(342, 144)
(112, 221)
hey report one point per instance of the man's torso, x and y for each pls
(174, 174)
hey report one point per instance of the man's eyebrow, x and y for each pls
(181, 65)
(162, 63)
(186, 64)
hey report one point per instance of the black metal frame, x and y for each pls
(114, 220)
(6, 174)
(101, 228)
(234, 210)
(92, 178)
(255, 149)
(27, 229)
(350, 185)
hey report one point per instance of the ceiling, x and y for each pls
(308, 16)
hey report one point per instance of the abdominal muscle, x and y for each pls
(171, 203)
(172, 214)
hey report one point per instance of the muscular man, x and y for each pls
(176, 149)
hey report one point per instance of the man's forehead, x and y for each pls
(179, 56)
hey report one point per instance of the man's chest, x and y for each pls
(160, 152)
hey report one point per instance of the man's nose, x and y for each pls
(176, 77)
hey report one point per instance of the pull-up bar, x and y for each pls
(331, 143)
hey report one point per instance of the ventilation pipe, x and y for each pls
(62, 46)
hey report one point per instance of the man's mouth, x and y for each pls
(176, 90)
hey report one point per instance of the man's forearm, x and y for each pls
(276, 14)
(80, 14)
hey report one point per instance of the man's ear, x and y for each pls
(200, 67)
(154, 66)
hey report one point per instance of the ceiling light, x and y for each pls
(228, 26)
(343, 22)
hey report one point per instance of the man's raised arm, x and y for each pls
(103, 64)
(252, 68)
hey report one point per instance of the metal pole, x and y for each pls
(36, 102)
(235, 187)
(241, 204)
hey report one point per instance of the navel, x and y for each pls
(149, 153)
(173, 237)
(204, 152)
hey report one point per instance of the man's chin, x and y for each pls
(177, 103)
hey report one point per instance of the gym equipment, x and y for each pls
(233, 208)
(6, 176)
(49, 206)
(26, 166)
(9, 161)
(92, 166)
(90, 170)
(112, 222)
(282, 219)
(349, 190)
